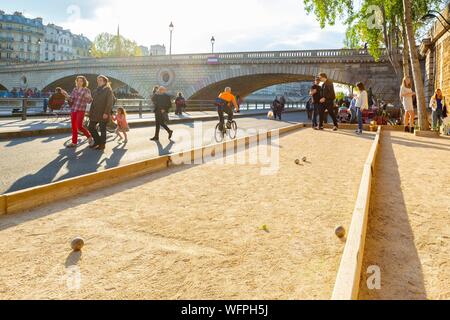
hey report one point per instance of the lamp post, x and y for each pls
(212, 44)
(39, 48)
(171, 27)
(432, 14)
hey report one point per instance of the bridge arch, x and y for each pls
(66, 80)
(245, 80)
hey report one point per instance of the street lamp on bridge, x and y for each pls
(432, 14)
(171, 27)
(212, 43)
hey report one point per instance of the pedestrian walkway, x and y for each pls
(32, 161)
(12, 127)
(408, 235)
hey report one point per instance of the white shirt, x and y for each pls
(407, 99)
(362, 102)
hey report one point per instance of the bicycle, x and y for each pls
(111, 126)
(230, 128)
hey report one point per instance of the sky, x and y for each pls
(237, 25)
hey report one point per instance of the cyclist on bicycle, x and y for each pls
(224, 104)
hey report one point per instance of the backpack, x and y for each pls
(220, 103)
(180, 102)
(56, 101)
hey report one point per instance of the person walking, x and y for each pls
(362, 103)
(327, 101)
(122, 125)
(315, 95)
(437, 105)
(406, 95)
(162, 102)
(180, 104)
(78, 101)
(100, 112)
(276, 108)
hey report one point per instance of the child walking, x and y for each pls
(122, 124)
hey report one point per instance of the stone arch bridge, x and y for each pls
(203, 76)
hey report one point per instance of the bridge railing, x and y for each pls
(24, 107)
(240, 57)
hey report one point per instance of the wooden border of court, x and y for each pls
(38, 196)
(349, 273)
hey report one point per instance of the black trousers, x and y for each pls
(160, 122)
(316, 114)
(221, 110)
(330, 109)
(98, 139)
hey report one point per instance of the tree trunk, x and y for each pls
(415, 64)
(406, 65)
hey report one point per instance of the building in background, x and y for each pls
(29, 40)
(81, 46)
(145, 51)
(21, 38)
(157, 50)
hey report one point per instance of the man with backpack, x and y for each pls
(58, 99)
(180, 104)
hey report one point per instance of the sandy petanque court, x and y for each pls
(194, 232)
(408, 235)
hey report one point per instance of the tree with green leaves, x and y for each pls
(384, 25)
(109, 45)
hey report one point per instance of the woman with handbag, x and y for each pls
(437, 105)
(78, 101)
(100, 112)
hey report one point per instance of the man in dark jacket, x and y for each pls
(162, 102)
(100, 112)
(315, 94)
(328, 96)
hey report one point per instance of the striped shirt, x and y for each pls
(79, 99)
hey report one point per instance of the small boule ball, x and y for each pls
(77, 244)
(340, 232)
(297, 161)
(304, 159)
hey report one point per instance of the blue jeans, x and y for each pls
(354, 115)
(436, 117)
(360, 119)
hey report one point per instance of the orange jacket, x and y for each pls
(230, 98)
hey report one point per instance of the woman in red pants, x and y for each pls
(78, 100)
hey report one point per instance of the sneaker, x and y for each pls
(406, 129)
(412, 129)
(71, 146)
(154, 139)
(170, 134)
(90, 141)
(335, 128)
(315, 128)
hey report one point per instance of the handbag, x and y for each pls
(444, 110)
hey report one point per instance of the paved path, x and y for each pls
(29, 162)
(51, 122)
